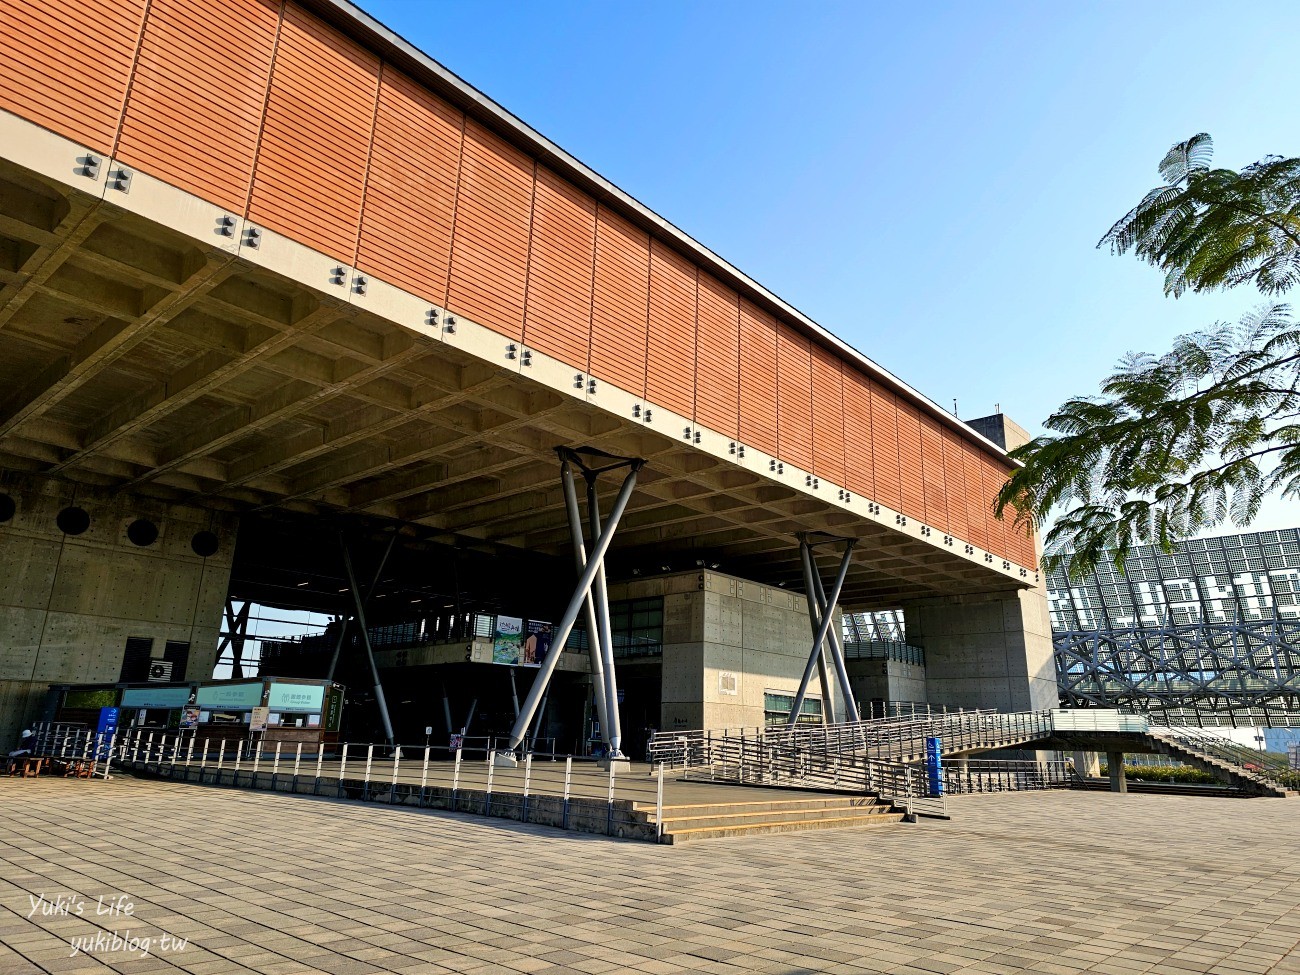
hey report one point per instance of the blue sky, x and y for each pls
(927, 182)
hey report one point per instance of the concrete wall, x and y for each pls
(992, 650)
(886, 680)
(68, 603)
(726, 642)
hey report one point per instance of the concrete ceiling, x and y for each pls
(138, 359)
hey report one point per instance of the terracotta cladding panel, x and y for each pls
(954, 473)
(196, 100)
(717, 358)
(884, 447)
(489, 255)
(932, 473)
(828, 415)
(620, 303)
(794, 398)
(977, 502)
(909, 460)
(411, 188)
(757, 378)
(670, 355)
(859, 467)
(557, 320)
(312, 162)
(66, 66)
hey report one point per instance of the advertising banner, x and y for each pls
(508, 640)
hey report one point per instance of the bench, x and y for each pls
(26, 766)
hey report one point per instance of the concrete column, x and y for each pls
(1115, 765)
(986, 650)
(1087, 764)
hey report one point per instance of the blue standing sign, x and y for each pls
(934, 766)
(104, 731)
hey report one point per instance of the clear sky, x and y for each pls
(928, 182)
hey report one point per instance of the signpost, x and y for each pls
(933, 766)
(104, 731)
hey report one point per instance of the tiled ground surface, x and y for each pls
(1054, 883)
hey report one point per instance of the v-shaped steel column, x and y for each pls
(821, 614)
(589, 594)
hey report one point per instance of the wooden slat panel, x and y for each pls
(995, 528)
(620, 303)
(909, 460)
(859, 465)
(66, 66)
(717, 397)
(670, 354)
(195, 107)
(884, 447)
(954, 473)
(411, 188)
(489, 252)
(932, 474)
(828, 416)
(757, 378)
(557, 320)
(312, 162)
(977, 503)
(793, 397)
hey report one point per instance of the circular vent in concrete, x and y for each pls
(72, 520)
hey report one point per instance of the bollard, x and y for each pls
(528, 775)
(568, 778)
(609, 803)
(659, 804)
(392, 790)
(424, 777)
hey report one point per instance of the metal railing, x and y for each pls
(900, 739)
(1264, 767)
(569, 792)
(752, 760)
(970, 776)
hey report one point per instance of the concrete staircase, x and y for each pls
(1226, 768)
(699, 821)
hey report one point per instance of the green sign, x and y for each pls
(334, 710)
(155, 697)
(230, 695)
(297, 697)
(91, 697)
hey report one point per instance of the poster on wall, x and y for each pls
(189, 717)
(508, 640)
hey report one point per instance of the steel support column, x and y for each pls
(822, 624)
(595, 564)
(836, 644)
(360, 612)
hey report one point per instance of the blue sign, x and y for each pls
(933, 766)
(104, 731)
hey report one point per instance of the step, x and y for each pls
(753, 817)
(757, 805)
(784, 826)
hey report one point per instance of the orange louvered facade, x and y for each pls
(264, 109)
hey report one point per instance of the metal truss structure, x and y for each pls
(1209, 634)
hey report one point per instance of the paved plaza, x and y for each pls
(257, 882)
